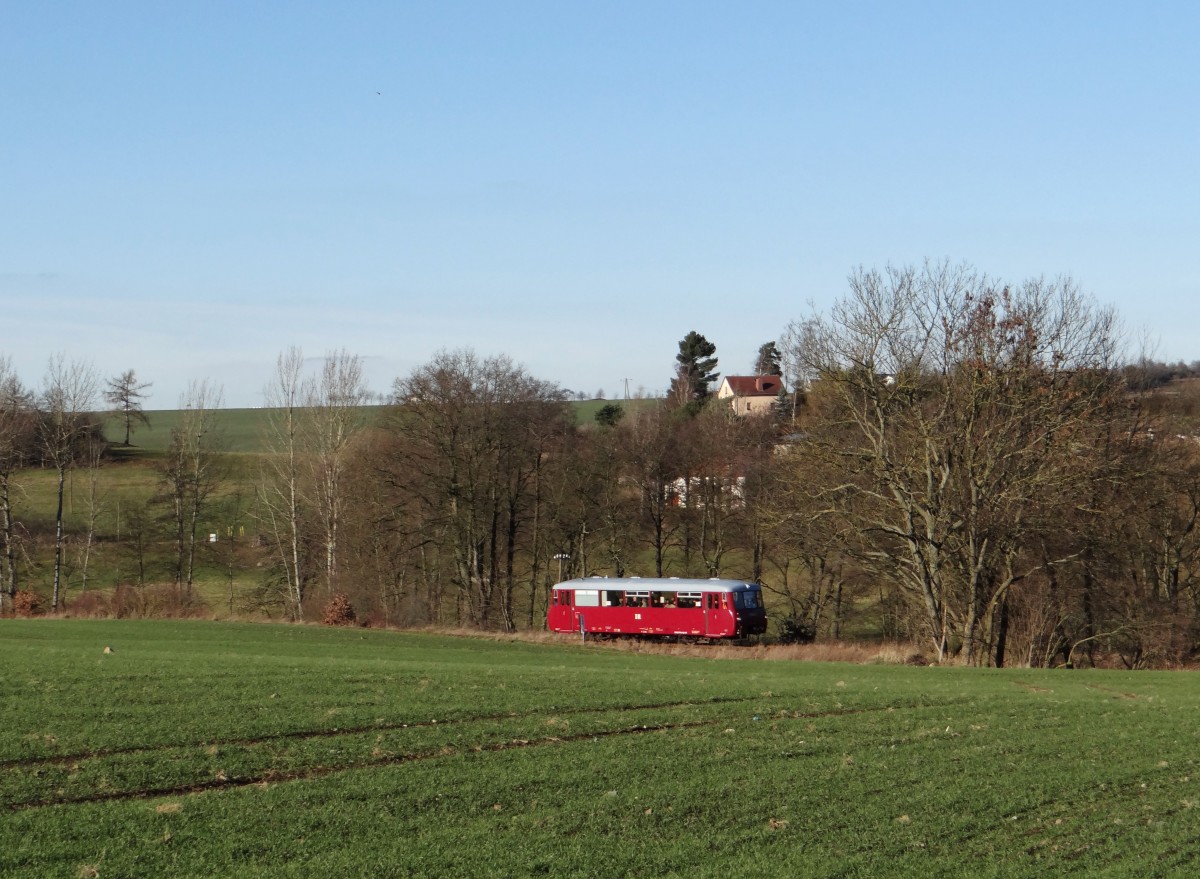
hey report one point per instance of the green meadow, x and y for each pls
(242, 430)
(215, 749)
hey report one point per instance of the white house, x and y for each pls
(750, 394)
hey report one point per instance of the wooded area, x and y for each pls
(972, 466)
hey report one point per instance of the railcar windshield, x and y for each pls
(747, 600)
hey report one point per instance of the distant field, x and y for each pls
(204, 749)
(243, 429)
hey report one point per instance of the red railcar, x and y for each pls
(668, 607)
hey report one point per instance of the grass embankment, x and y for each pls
(239, 750)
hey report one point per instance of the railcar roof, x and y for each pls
(657, 584)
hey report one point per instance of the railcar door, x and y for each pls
(715, 625)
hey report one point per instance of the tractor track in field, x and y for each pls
(337, 731)
(270, 776)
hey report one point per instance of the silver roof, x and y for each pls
(658, 584)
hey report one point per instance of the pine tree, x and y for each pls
(769, 360)
(695, 371)
(125, 394)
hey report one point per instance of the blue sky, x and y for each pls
(190, 188)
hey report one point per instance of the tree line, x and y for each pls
(967, 464)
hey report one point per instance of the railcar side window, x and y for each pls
(612, 599)
(688, 599)
(587, 598)
(662, 599)
(637, 599)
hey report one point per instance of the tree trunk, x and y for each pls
(1002, 633)
(9, 537)
(58, 539)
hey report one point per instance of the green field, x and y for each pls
(205, 749)
(242, 430)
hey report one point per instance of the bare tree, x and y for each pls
(593, 516)
(95, 502)
(68, 398)
(125, 394)
(282, 488)
(334, 416)
(957, 407)
(139, 535)
(18, 433)
(652, 462)
(727, 452)
(192, 472)
(472, 435)
(807, 546)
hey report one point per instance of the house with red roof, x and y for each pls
(750, 394)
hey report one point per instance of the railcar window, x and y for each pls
(613, 599)
(662, 599)
(688, 599)
(637, 599)
(587, 598)
(746, 600)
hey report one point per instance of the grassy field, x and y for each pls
(242, 430)
(203, 749)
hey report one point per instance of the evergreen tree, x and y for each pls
(695, 370)
(609, 415)
(769, 360)
(125, 394)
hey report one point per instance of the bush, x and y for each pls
(27, 603)
(339, 611)
(91, 604)
(793, 630)
(161, 601)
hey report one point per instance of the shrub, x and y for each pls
(793, 630)
(27, 603)
(339, 611)
(159, 601)
(93, 604)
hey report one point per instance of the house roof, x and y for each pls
(754, 385)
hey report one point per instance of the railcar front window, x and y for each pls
(747, 600)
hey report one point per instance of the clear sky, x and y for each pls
(190, 188)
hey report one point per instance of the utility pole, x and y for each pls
(560, 557)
